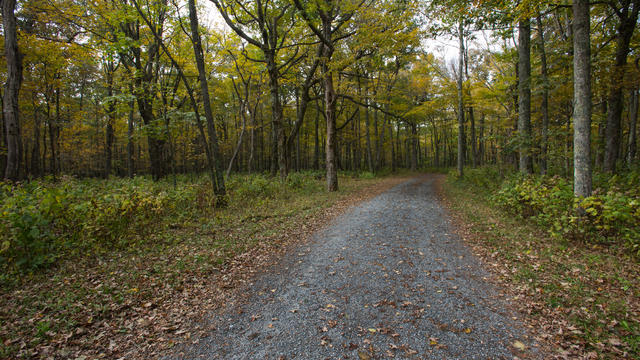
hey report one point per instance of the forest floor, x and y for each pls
(142, 301)
(583, 299)
(388, 278)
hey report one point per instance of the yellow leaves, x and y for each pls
(519, 345)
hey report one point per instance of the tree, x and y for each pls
(10, 106)
(582, 99)
(215, 158)
(460, 100)
(525, 163)
(627, 13)
(270, 37)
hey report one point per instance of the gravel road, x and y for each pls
(386, 279)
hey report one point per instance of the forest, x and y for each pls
(130, 125)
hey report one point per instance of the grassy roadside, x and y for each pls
(582, 299)
(143, 300)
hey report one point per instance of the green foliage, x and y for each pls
(43, 222)
(610, 216)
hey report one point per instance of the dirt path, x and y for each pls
(386, 279)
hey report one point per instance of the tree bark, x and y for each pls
(36, 169)
(460, 101)
(368, 136)
(545, 99)
(10, 109)
(215, 158)
(414, 146)
(330, 107)
(582, 99)
(633, 119)
(130, 145)
(524, 96)
(628, 19)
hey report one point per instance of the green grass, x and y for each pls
(590, 292)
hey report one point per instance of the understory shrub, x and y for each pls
(40, 221)
(611, 215)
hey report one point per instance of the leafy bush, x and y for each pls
(607, 217)
(248, 187)
(40, 221)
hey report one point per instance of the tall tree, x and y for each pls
(333, 15)
(460, 99)
(545, 97)
(582, 98)
(11, 90)
(215, 162)
(524, 96)
(627, 13)
(261, 24)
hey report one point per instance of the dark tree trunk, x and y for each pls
(633, 119)
(130, 145)
(10, 108)
(628, 21)
(214, 155)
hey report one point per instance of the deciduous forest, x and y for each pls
(147, 144)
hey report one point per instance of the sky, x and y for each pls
(443, 47)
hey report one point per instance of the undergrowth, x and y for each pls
(83, 257)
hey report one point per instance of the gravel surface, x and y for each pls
(386, 279)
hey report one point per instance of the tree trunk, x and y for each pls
(316, 153)
(215, 157)
(628, 20)
(414, 146)
(582, 99)
(10, 108)
(36, 170)
(524, 96)
(633, 119)
(330, 107)
(368, 137)
(130, 149)
(460, 101)
(111, 114)
(545, 99)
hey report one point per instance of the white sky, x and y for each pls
(443, 47)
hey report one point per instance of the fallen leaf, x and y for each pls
(520, 346)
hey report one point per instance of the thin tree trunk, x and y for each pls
(524, 96)
(35, 152)
(215, 157)
(368, 137)
(316, 153)
(545, 99)
(460, 101)
(130, 145)
(633, 119)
